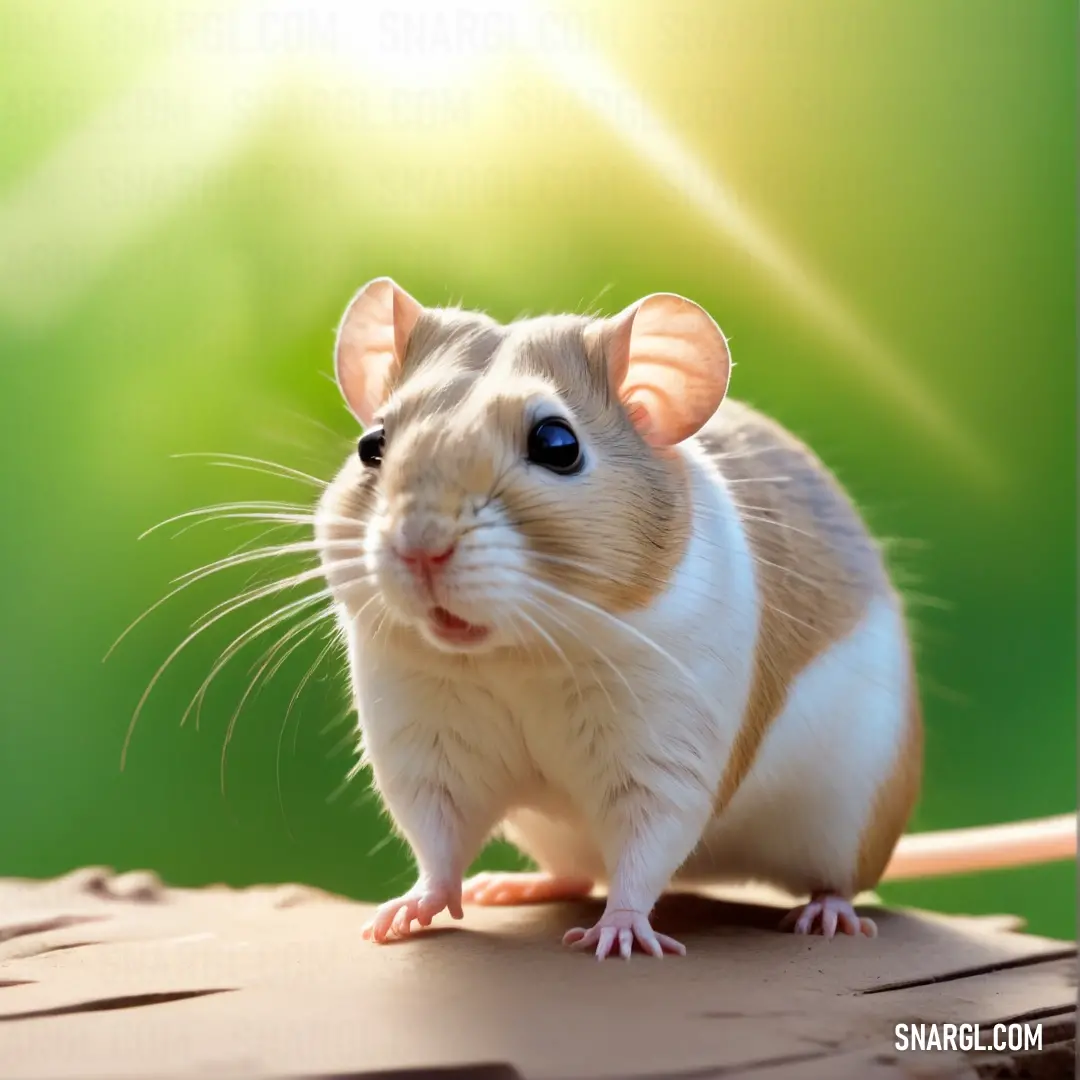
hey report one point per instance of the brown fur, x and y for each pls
(816, 565)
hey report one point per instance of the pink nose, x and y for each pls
(423, 561)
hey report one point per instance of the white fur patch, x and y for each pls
(797, 819)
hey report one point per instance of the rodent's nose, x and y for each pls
(424, 561)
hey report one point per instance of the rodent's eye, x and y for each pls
(553, 445)
(372, 444)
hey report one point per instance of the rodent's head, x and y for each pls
(512, 478)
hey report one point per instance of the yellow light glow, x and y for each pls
(97, 190)
(420, 44)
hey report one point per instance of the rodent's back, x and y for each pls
(777, 479)
(817, 568)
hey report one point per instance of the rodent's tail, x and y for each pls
(993, 847)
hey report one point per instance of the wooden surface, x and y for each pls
(104, 976)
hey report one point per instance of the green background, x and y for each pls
(171, 274)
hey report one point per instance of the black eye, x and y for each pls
(371, 447)
(553, 444)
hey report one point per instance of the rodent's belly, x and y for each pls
(555, 835)
(545, 823)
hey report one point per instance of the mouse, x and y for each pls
(597, 607)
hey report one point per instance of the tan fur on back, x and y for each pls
(817, 567)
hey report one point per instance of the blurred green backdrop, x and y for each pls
(190, 192)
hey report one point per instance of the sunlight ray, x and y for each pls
(598, 86)
(115, 176)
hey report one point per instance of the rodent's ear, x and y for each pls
(371, 343)
(669, 363)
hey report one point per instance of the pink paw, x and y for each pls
(421, 904)
(622, 927)
(824, 914)
(494, 889)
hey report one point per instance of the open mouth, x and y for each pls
(446, 626)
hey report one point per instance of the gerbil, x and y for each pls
(636, 628)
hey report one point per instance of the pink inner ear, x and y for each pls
(371, 342)
(676, 368)
(377, 376)
(365, 358)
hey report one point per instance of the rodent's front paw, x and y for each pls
(420, 904)
(623, 927)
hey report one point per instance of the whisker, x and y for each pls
(520, 640)
(247, 544)
(268, 622)
(815, 630)
(305, 629)
(273, 468)
(742, 455)
(381, 624)
(258, 594)
(232, 528)
(590, 568)
(192, 576)
(313, 623)
(747, 506)
(558, 651)
(759, 480)
(298, 547)
(591, 647)
(274, 647)
(632, 631)
(808, 581)
(283, 583)
(308, 675)
(780, 525)
(595, 570)
(336, 435)
(210, 512)
(268, 516)
(547, 609)
(587, 568)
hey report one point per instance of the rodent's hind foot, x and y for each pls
(506, 889)
(621, 929)
(824, 915)
(420, 904)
